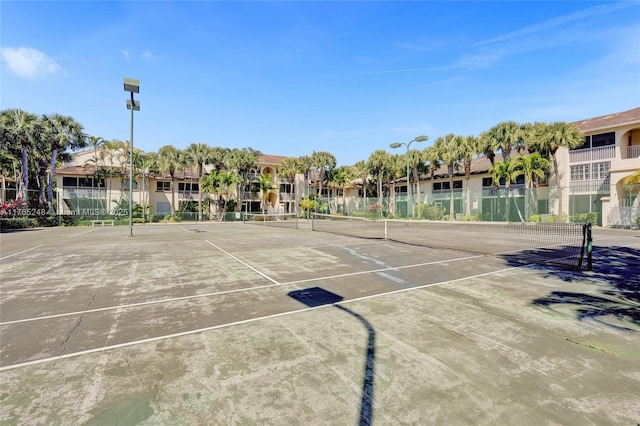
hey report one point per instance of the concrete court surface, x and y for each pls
(243, 324)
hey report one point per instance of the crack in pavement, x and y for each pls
(75, 327)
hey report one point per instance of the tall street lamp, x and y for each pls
(132, 86)
(420, 138)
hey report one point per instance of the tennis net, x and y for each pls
(520, 243)
(282, 220)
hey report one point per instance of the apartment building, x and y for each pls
(96, 183)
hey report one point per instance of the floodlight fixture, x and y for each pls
(131, 85)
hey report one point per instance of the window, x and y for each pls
(85, 182)
(603, 139)
(594, 141)
(163, 186)
(580, 172)
(487, 182)
(457, 184)
(286, 188)
(69, 181)
(188, 186)
(125, 184)
(600, 170)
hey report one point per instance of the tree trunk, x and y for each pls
(25, 174)
(52, 173)
(452, 215)
(555, 171)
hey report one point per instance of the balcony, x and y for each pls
(591, 186)
(633, 151)
(593, 154)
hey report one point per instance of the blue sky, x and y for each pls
(288, 77)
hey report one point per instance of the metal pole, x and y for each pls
(409, 190)
(131, 171)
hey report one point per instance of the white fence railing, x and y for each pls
(633, 151)
(593, 154)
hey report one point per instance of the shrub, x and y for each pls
(14, 223)
(535, 218)
(471, 218)
(434, 212)
(585, 217)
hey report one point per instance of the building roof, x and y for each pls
(618, 119)
(271, 159)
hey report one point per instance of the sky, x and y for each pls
(292, 77)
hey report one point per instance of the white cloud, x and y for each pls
(30, 63)
(147, 56)
(125, 53)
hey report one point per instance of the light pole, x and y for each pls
(132, 86)
(420, 138)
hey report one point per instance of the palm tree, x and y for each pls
(506, 135)
(531, 166)
(469, 149)
(550, 138)
(322, 161)
(450, 153)
(24, 129)
(170, 159)
(341, 176)
(145, 163)
(199, 154)
(288, 169)
(508, 172)
(242, 162)
(95, 142)
(417, 165)
(361, 170)
(218, 183)
(379, 163)
(63, 133)
(398, 170)
(266, 188)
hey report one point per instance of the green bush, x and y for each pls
(15, 223)
(471, 218)
(585, 217)
(535, 218)
(434, 212)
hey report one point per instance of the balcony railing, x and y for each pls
(633, 151)
(600, 186)
(593, 154)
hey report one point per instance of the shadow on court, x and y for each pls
(615, 276)
(316, 296)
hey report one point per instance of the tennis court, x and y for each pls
(232, 323)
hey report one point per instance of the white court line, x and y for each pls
(238, 290)
(241, 322)
(20, 252)
(81, 233)
(243, 263)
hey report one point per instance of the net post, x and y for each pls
(386, 232)
(589, 248)
(313, 228)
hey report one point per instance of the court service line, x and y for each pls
(235, 323)
(237, 290)
(81, 233)
(20, 252)
(243, 263)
